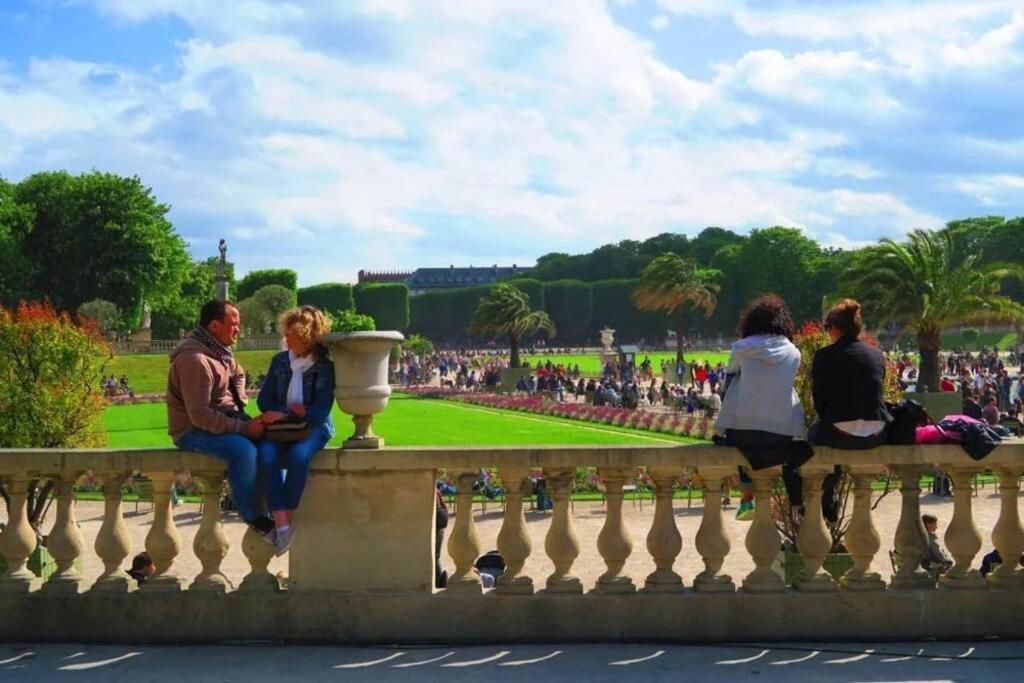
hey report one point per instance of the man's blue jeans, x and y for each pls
(285, 493)
(240, 454)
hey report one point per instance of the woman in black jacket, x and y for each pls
(847, 381)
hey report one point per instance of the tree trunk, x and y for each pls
(680, 326)
(513, 345)
(928, 342)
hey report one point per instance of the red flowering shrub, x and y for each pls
(50, 367)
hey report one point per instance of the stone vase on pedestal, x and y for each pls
(361, 379)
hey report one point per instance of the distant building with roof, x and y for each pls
(430, 279)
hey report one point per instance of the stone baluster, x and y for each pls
(813, 541)
(259, 553)
(861, 537)
(763, 541)
(211, 543)
(18, 540)
(1007, 534)
(65, 540)
(163, 542)
(113, 544)
(911, 542)
(962, 537)
(614, 543)
(664, 540)
(561, 543)
(513, 539)
(712, 542)
(464, 543)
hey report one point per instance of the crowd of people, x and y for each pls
(116, 386)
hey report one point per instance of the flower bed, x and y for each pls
(666, 423)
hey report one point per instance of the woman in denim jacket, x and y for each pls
(299, 386)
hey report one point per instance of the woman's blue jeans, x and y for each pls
(284, 493)
(240, 454)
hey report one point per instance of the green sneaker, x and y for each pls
(745, 513)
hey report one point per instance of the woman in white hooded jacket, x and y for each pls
(761, 411)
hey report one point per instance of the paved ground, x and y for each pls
(588, 517)
(984, 661)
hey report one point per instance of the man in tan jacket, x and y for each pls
(206, 406)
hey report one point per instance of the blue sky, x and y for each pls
(330, 136)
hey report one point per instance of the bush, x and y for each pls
(970, 334)
(570, 305)
(50, 371)
(257, 279)
(386, 302)
(275, 300)
(103, 313)
(329, 297)
(350, 321)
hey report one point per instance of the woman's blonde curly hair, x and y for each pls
(308, 322)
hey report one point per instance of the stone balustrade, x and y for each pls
(362, 569)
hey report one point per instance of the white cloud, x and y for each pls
(519, 127)
(843, 81)
(993, 190)
(659, 23)
(1002, 47)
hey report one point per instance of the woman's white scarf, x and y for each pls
(299, 366)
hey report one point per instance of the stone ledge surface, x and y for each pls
(441, 618)
(1011, 452)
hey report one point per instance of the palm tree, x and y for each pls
(505, 312)
(669, 283)
(920, 285)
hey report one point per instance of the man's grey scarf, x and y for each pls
(219, 351)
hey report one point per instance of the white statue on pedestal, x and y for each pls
(607, 338)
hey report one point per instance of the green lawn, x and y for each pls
(148, 373)
(411, 421)
(590, 364)
(1003, 340)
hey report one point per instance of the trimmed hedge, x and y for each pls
(613, 306)
(386, 302)
(330, 297)
(533, 289)
(258, 279)
(570, 304)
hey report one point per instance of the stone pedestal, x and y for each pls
(142, 336)
(366, 531)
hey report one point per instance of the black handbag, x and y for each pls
(287, 432)
(907, 416)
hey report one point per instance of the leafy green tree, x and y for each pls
(919, 285)
(705, 245)
(274, 300)
(254, 316)
(100, 236)
(673, 284)
(506, 313)
(182, 311)
(15, 225)
(257, 279)
(103, 313)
